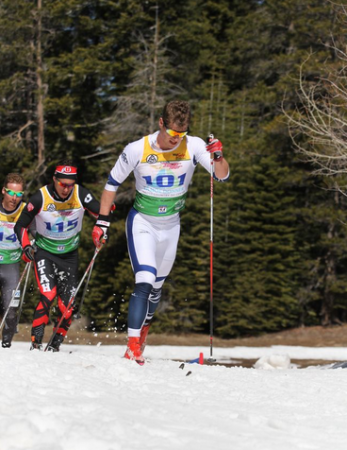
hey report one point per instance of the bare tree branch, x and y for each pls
(318, 125)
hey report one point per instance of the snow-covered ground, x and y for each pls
(90, 398)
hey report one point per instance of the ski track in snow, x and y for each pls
(94, 399)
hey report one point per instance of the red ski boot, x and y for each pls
(133, 351)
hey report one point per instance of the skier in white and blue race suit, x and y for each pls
(163, 164)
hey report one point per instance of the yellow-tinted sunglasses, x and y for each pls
(174, 133)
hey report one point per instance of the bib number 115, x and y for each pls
(60, 227)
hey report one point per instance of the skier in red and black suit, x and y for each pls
(58, 211)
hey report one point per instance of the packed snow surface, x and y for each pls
(91, 398)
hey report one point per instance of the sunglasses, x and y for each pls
(65, 185)
(11, 193)
(174, 133)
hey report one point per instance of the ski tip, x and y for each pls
(339, 365)
(211, 360)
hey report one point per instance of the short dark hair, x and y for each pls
(178, 112)
(14, 178)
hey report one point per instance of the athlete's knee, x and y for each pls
(139, 297)
(64, 310)
(12, 313)
(142, 290)
(44, 305)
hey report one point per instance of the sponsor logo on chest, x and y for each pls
(51, 207)
(179, 155)
(152, 159)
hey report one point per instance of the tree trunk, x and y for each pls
(40, 109)
(154, 72)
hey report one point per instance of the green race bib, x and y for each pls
(158, 206)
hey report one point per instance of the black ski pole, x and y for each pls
(72, 298)
(14, 294)
(78, 313)
(22, 298)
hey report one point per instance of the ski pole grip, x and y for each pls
(209, 138)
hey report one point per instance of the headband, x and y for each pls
(66, 172)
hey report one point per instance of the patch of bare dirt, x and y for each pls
(335, 336)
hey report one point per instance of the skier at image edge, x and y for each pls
(10, 252)
(57, 211)
(163, 164)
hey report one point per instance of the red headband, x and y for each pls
(66, 170)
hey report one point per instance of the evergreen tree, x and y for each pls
(98, 73)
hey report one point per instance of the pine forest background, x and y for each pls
(82, 78)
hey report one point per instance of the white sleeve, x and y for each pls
(197, 149)
(126, 163)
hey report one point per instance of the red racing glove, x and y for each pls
(216, 147)
(100, 231)
(28, 254)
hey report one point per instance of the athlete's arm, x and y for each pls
(215, 148)
(89, 202)
(107, 199)
(32, 208)
(126, 163)
(221, 169)
(120, 171)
